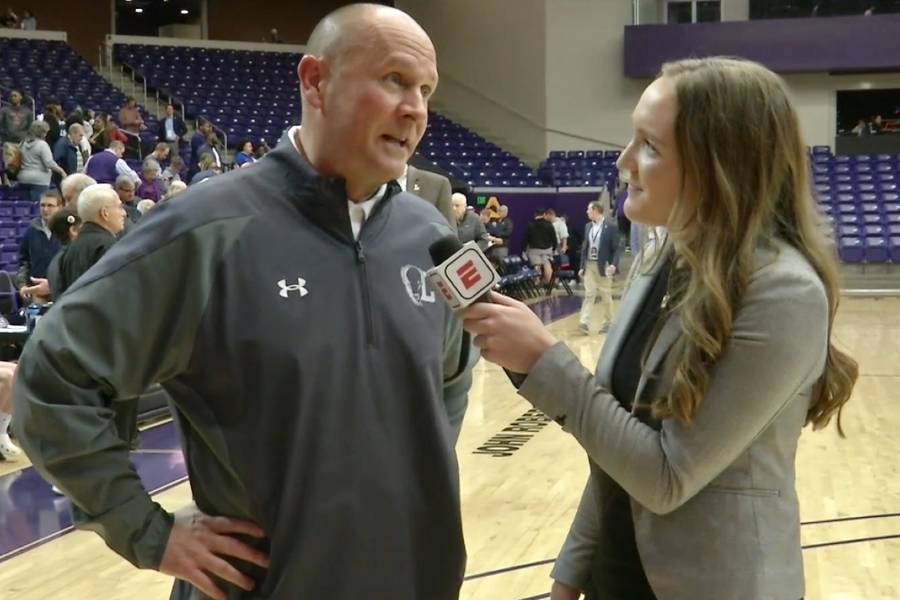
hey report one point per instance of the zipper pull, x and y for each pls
(360, 251)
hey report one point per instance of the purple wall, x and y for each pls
(783, 45)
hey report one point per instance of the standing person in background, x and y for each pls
(106, 166)
(130, 118)
(37, 162)
(599, 264)
(561, 229)
(69, 152)
(171, 129)
(202, 129)
(29, 23)
(723, 350)
(15, 118)
(431, 187)
(540, 244)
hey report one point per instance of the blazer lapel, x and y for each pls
(628, 310)
(670, 332)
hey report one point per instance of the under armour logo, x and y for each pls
(300, 287)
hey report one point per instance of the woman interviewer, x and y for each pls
(720, 355)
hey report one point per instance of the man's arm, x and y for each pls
(122, 168)
(88, 352)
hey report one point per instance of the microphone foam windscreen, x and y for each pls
(444, 248)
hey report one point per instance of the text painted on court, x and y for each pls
(515, 435)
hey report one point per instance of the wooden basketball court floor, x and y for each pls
(519, 493)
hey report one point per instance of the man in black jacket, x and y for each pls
(103, 216)
(540, 243)
(38, 246)
(171, 129)
(285, 309)
(600, 254)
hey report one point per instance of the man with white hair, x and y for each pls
(106, 166)
(469, 227)
(145, 206)
(72, 186)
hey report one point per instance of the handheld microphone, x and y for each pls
(462, 273)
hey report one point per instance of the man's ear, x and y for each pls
(312, 72)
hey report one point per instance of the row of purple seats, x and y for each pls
(869, 249)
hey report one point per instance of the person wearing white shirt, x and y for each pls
(599, 263)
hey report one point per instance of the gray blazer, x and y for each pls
(714, 503)
(434, 188)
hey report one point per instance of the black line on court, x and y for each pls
(845, 519)
(538, 597)
(538, 563)
(508, 569)
(879, 538)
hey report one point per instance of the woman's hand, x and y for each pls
(508, 333)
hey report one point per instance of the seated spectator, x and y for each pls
(145, 206)
(72, 186)
(171, 128)
(468, 226)
(125, 190)
(877, 125)
(861, 129)
(160, 154)
(69, 153)
(273, 38)
(244, 155)
(149, 187)
(38, 247)
(37, 162)
(107, 165)
(176, 188)
(208, 168)
(15, 118)
(117, 135)
(103, 219)
(130, 118)
(64, 226)
(500, 228)
(173, 172)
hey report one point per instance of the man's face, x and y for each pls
(115, 215)
(49, 206)
(459, 208)
(126, 193)
(76, 137)
(375, 104)
(15, 98)
(170, 111)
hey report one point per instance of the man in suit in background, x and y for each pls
(432, 187)
(599, 263)
(172, 129)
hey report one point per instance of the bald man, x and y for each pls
(469, 227)
(318, 429)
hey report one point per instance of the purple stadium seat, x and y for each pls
(894, 248)
(851, 250)
(876, 249)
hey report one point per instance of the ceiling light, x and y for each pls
(139, 10)
(184, 11)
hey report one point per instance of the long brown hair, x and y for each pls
(739, 140)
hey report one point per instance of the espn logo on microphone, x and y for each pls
(464, 277)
